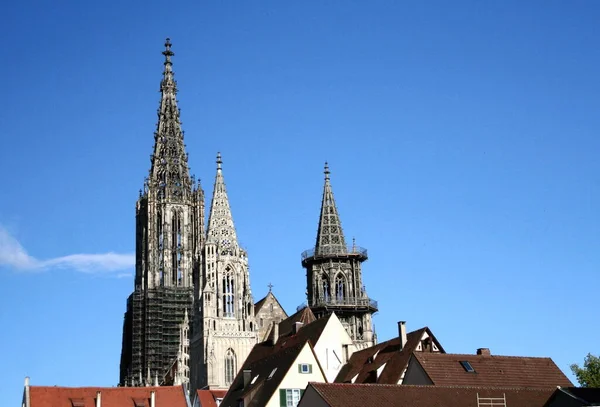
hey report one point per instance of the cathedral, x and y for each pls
(191, 318)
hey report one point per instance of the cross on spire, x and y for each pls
(270, 287)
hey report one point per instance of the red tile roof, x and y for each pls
(207, 398)
(361, 395)
(506, 371)
(47, 396)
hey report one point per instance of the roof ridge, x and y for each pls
(100, 387)
(448, 355)
(433, 387)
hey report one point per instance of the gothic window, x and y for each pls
(340, 287)
(176, 249)
(360, 329)
(230, 369)
(228, 294)
(325, 287)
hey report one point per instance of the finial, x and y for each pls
(326, 171)
(353, 244)
(167, 52)
(219, 162)
(270, 287)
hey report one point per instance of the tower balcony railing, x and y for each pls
(329, 251)
(347, 301)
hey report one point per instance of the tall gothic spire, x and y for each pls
(220, 222)
(330, 236)
(169, 174)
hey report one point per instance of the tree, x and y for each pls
(589, 375)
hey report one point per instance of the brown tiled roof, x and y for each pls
(361, 395)
(589, 394)
(305, 316)
(207, 398)
(507, 371)
(277, 363)
(265, 357)
(47, 396)
(575, 396)
(364, 363)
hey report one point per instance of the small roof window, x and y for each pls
(271, 374)
(467, 366)
(77, 402)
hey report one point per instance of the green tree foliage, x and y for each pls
(589, 375)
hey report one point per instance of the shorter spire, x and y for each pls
(220, 222)
(330, 236)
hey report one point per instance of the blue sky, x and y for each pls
(462, 139)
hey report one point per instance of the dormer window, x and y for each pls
(467, 366)
(77, 402)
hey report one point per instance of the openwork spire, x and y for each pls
(220, 222)
(330, 236)
(169, 174)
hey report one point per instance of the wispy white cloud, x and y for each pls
(13, 254)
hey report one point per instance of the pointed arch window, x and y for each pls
(325, 287)
(228, 294)
(340, 287)
(230, 366)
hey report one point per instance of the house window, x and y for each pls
(304, 368)
(230, 369)
(290, 397)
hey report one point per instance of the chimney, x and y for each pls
(275, 332)
(484, 352)
(152, 399)
(296, 328)
(247, 377)
(98, 399)
(402, 333)
(345, 354)
(27, 398)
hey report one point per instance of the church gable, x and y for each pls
(268, 311)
